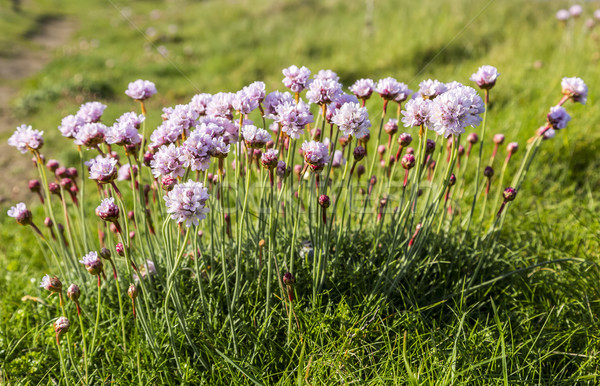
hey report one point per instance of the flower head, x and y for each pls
(255, 91)
(91, 112)
(292, 118)
(576, 10)
(417, 112)
(220, 105)
(244, 103)
(352, 120)
(431, 88)
(103, 169)
(558, 117)
(92, 263)
(509, 194)
(108, 210)
(363, 88)
(69, 126)
(485, 77)
(73, 292)
(51, 283)
(254, 137)
(327, 74)
(140, 90)
(269, 159)
(575, 88)
(499, 139)
(25, 138)
(389, 88)
(125, 130)
(296, 79)
(20, 213)
(323, 91)
(61, 326)
(315, 154)
(91, 134)
(563, 15)
(456, 109)
(199, 103)
(167, 162)
(274, 99)
(187, 203)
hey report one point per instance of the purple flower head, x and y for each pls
(575, 88)
(576, 10)
(499, 139)
(20, 213)
(430, 89)
(164, 134)
(292, 118)
(166, 162)
(352, 120)
(221, 127)
(194, 153)
(315, 154)
(243, 103)
(140, 90)
(70, 125)
(403, 94)
(563, 15)
(485, 77)
(219, 149)
(391, 126)
(91, 112)
(93, 263)
(199, 103)
(408, 161)
(327, 74)
(182, 119)
(417, 112)
(509, 194)
(221, 105)
(323, 91)
(558, 117)
(456, 109)
(282, 170)
(334, 106)
(389, 88)
(187, 203)
(103, 169)
(254, 137)
(255, 91)
(274, 99)
(269, 159)
(51, 283)
(404, 139)
(338, 159)
(108, 210)
(512, 147)
(296, 79)
(25, 138)
(125, 130)
(363, 88)
(91, 134)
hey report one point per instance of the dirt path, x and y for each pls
(16, 168)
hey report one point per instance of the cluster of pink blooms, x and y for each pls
(187, 203)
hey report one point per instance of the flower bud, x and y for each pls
(360, 170)
(61, 172)
(72, 173)
(344, 141)
(509, 194)
(52, 284)
(499, 139)
(105, 253)
(61, 326)
(452, 180)
(288, 279)
(488, 172)
(282, 170)
(132, 292)
(48, 222)
(148, 157)
(66, 183)
(472, 138)
(512, 147)
(404, 139)
(120, 249)
(381, 149)
(35, 186)
(410, 150)
(461, 150)
(73, 292)
(54, 188)
(359, 153)
(391, 127)
(52, 165)
(430, 146)
(408, 161)
(324, 201)
(168, 183)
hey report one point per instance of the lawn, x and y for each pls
(531, 317)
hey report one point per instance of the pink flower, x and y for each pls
(296, 79)
(25, 138)
(187, 203)
(140, 89)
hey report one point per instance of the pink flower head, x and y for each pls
(456, 109)
(255, 91)
(352, 120)
(575, 88)
(269, 159)
(194, 153)
(296, 79)
(363, 88)
(243, 103)
(187, 203)
(338, 159)
(140, 90)
(51, 283)
(166, 162)
(274, 99)
(315, 154)
(69, 126)
(563, 15)
(403, 94)
(389, 88)
(323, 91)
(93, 263)
(292, 118)
(485, 77)
(558, 117)
(512, 147)
(91, 134)
(199, 103)
(597, 14)
(61, 326)
(103, 169)
(125, 130)
(221, 105)
(20, 213)
(327, 74)
(255, 137)
(417, 112)
(334, 106)
(91, 112)
(430, 89)
(182, 119)
(499, 139)
(576, 10)
(108, 210)
(124, 173)
(25, 138)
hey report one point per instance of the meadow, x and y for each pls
(512, 305)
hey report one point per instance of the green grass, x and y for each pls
(531, 326)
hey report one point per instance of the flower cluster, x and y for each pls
(187, 203)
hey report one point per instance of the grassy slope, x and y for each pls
(542, 320)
